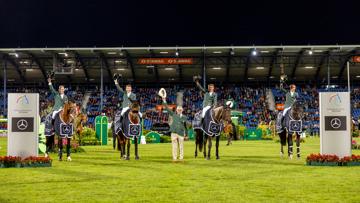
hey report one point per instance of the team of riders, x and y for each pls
(178, 124)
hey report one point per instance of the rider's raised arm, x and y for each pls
(53, 91)
(200, 87)
(167, 108)
(118, 87)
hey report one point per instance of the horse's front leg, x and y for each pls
(209, 147)
(60, 145)
(217, 146)
(128, 149)
(290, 146)
(196, 146)
(136, 148)
(282, 136)
(68, 148)
(204, 143)
(298, 145)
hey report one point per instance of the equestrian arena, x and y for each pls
(180, 124)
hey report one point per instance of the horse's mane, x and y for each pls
(65, 116)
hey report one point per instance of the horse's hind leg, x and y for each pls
(128, 149)
(217, 146)
(209, 145)
(298, 145)
(60, 145)
(290, 146)
(136, 149)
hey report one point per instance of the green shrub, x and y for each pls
(165, 139)
(90, 141)
(88, 133)
(355, 134)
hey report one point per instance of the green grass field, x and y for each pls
(248, 171)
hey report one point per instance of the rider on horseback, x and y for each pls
(59, 97)
(291, 98)
(128, 97)
(210, 97)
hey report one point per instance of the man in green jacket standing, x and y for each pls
(59, 97)
(177, 129)
(210, 97)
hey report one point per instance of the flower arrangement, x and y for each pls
(15, 161)
(355, 145)
(332, 160)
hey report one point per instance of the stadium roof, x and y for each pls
(233, 64)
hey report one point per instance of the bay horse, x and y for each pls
(221, 116)
(288, 125)
(130, 127)
(63, 126)
(79, 123)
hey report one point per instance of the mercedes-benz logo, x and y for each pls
(134, 130)
(66, 129)
(295, 125)
(335, 123)
(215, 128)
(22, 124)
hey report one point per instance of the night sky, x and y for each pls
(35, 23)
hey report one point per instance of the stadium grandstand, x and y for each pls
(248, 75)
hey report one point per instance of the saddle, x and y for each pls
(208, 124)
(130, 130)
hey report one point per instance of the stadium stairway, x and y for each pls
(270, 100)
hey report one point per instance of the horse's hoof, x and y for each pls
(217, 157)
(281, 155)
(127, 158)
(69, 158)
(207, 158)
(298, 157)
(291, 156)
(46, 155)
(60, 159)
(137, 158)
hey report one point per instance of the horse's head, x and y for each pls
(69, 112)
(222, 114)
(134, 112)
(297, 111)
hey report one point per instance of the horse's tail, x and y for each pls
(199, 139)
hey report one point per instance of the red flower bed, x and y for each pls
(15, 161)
(327, 159)
(322, 158)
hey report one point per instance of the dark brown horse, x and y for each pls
(291, 124)
(221, 115)
(124, 140)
